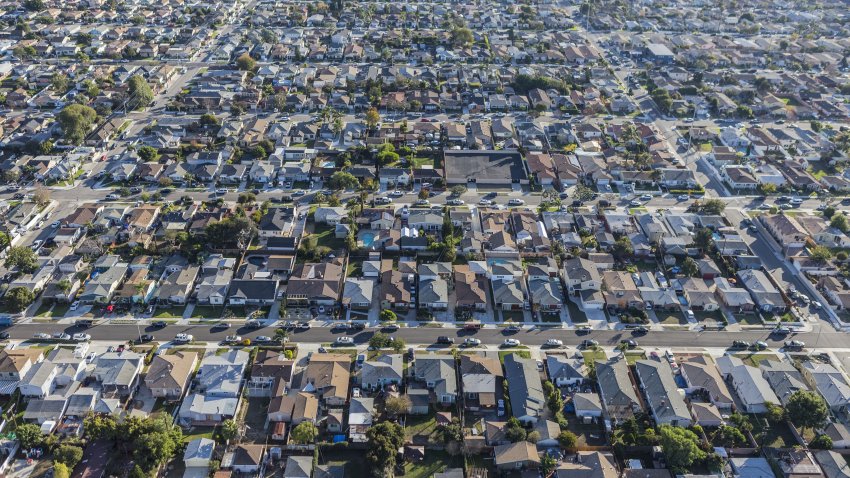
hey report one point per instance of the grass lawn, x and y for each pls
(435, 461)
(43, 310)
(512, 315)
(671, 318)
(59, 310)
(772, 435)
(169, 312)
(355, 268)
(638, 210)
(592, 355)
(705, 147)
(354, 461)
(550, 318)
(207, 312)
(521, 353)
(633, 356)
(424, 428)
(325, 237)
(713, 316)
(749, 319)
(576, 315)
(753, 359)
(198, 432)
(418, 162)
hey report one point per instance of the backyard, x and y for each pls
(422, 429)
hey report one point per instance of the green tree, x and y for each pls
(713, 206)
(304, 432)
(806, 409)
(547, 464)
(767, 188)
(514, 431)
(828, 212)
(741, 422)
(395, 406)
(23, 258)
(458, 190)
(775, 413)
(76, 121)
(681, 448)
(729, 437)
(387, 315)
(141, 95)
(568, 441)
(820, 254)
(839, 221)
(59, 82)
(623, 247)
(68, 455)
(462, 37)
(60, 471)
(148, 153)
(583, 193)
(245, 62)
(384, 440)
(704, 239)
(34, 5)
(372, 118)
(343, 180)
(690, 267)
(100, 427)
(821, 442)
(229, 429)
(29, 434)
(662, 99)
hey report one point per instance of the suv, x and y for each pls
(183, 338)
(588, 343)
(515, 202)
(443, 339)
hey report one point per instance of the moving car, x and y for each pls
(390, 328)
(159, 323)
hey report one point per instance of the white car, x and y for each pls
(183, 338)
(510, 343)
(455, 202)
(383, 200)
(344, 341)
(81, 337)
(397, 193)
(41, 335)
(554, 343)
(515, 202)
(485, 202)
(471, 342)
(683, 197)
(74, 305)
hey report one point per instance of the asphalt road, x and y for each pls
(821, 337)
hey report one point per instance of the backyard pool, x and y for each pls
(368, 238)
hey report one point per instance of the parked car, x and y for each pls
(511, 329)
(471, 342)
(588, 343)
(553, 343)
(263, 339)
(146, 338)
(629, 343)
(233, 339)
(443, 339)
(81, 337)
(510, 343)
(159, 323)
(183, 338)
(759, 345)
(740, 344)
(390, 328)
(344, 341)
(515, 202)
(455, 202)
(794, 345)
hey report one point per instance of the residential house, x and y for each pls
(169, 375)
(327, 376)
(619, 396)
(566, 371)
(438, 373)
(666, 406)
(481, 379)
(118, 373)
(516, 456)
(701, 375)
(524, 388)
(269, 368)
(315, 284)
(381, 372)
(830, 383)
(752, 389)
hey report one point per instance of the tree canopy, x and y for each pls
(384, 439)
(806, 409)
(76, 121)
(304, 432)
(23, 258)
(245, 62)
(681, 448)
(141, 95)
(343, 180)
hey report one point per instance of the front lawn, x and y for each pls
(715, 316)
(207, 312)
(576, 314)
(169, 313)
(753, 359)
(520, 353)
(594, 354)
(435, 461)
(748, 319)
(671, 318)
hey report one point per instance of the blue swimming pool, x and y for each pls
(368, 238)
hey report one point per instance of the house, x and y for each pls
(699, 294)
(197, 457)
(357, 293)
(752, 389)
(118, 373)
(590, 464)
(276, 222)
(765, 295)
(16, 363)
(565, 371)
(329, 215)
(176, 286)
(315, 284)
(481, 379)
(620, 291)
(38, 382)
(382, 371)
(833, 464)
(101, 288)
(298, 467)
(751, 467)
(361, 411)
(666, 406)
(524, 388)
(735, 298)
(701, 375)
(587, 405)
(516, 456)
(786, 230)
(396, 288)
(784, 378)
(433, 294)
(292, 408)
(619, 397)
(221, 375)
(248, 458)
(470, 289)
(269, 368)
(438, 373)
(580, 274)
(169, 375)
(327, 376)
(830, 384)
(258, 292)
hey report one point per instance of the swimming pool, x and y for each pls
(368, 238)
